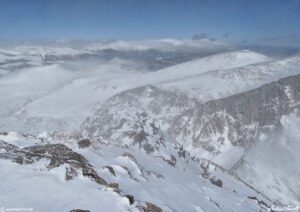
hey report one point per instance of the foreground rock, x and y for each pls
(149, 207)
(57, 154)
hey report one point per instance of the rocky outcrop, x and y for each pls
(209, 168)
(236, 120)
(91, 173)
(149, 207)
(216, 181)
(239, 119)
(110, 169)
(57, 154)
(84, 143)
(262, 204)
(130, 198)
(115, 186)
(138, 128)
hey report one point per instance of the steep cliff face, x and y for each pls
(255, 134)
(147, 102)
(241, 119)
(216, 127)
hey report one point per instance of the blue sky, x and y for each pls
(233, 20)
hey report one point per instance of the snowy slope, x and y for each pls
(186, 186)
(48, 190)
(220, 83)
(221, 61)
(277, 160)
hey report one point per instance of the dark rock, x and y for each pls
(216, 182)
(130, 156)
(18, 160)
(79, 210)
(154, 128)
(149, 208)
(157, 175)
(70, 173)
(84, 143)
(126, 154)
(113, 185)
(133, 159)
(58, 154)
(140, 136)
(110, 169)
(128, 172)
(130, 198)
(171, 162)
(182, 153)
(91, 173)
(261, 203)
(148, 148)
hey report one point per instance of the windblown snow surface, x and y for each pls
(89, 127)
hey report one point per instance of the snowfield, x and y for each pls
(84, 124)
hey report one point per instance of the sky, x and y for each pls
(261, 21)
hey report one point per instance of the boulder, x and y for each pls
(149, 208)
(84, 143)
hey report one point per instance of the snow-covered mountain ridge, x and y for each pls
(50, 90)
(183, 138)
